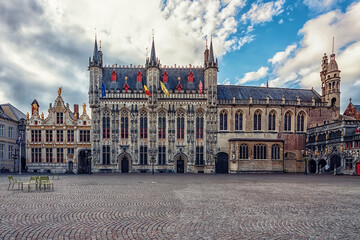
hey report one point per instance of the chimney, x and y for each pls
(76, 109)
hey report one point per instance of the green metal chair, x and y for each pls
(33, 181)
(45, 181)
(13, 181)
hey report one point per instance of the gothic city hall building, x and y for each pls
(179, 119)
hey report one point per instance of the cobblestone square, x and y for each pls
(184, 206)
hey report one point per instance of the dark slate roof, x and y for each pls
(227, 92)
(173, 74)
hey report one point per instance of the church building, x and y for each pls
(179, 119)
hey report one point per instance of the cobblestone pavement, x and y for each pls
(186, 206)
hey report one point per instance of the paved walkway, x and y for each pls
(186, 206)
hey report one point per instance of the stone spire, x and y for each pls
(153, 61)
(96, 52)
(211, 54)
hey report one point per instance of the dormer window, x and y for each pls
(139, 77)
(113, 76)
(165, 77)
(190, 77)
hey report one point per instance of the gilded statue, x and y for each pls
(84, 108)
(27, 115)
(35, 107)
(75, 115)
(42, 116)
(59, 91)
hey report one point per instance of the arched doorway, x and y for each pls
(180, 160)
(222, 163)
(124, 161)
(125, 165)
(71, 167)
(83, 161)
(180, 165)
(335, 162)
(312, 166)
(322, 164)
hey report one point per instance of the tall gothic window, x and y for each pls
(36, 155)
(180, 123)
(106, 125)
(60, 155)
(162, 125)
(257, 120)
(272, 118)
(223, 121)
(143, 155)
(287, 122)
(199, 125)
(259, 151)
(275, 152)
(300, 122)
(49, 155)
(59, 118)
(162, 155)
(199, 155)
(143, 124)
(238, 121)
(124, 124)
(106, 155)
(244, 151)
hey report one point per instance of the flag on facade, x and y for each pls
(147, 90)
(201, 87)
(103, 89)
(163, 88)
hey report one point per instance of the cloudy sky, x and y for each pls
(45, 44)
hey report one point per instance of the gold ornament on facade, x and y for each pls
(84, 108)
(327, 136)
(326, 150)
(59, 91)
(27, 115)
(42, 116)
(75, 115)
(342, 133)
(35, 107)
(341, 149)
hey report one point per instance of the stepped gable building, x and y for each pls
(200, 126)
(60, 142)
(12, 126)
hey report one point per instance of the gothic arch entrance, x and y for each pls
(222, 163)
(312, 166)
(180, 160)
(124, 161)
(84, 163)
(322, 164)
(335, 162)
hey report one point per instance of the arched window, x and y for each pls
(300, 122)
(259, 151)
(275, 152)
(272, 118)
(223, 121)
(244, 151)
(162, 125)
(257, 120)
(238, 121)
(124, 124)
(287, 122)
(113, 76)
(106, 125)
(143, 124)
(199, 125)
(180, 123)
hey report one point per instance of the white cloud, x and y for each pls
(321, 5)
(304, 66)
(263, 12)
(281, 56)
(253, 76)
(281, 21)
(47, 43)
(225, 82)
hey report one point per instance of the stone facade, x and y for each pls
(334, 147)
(12, 127)
(60, 142)
(200, 126)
